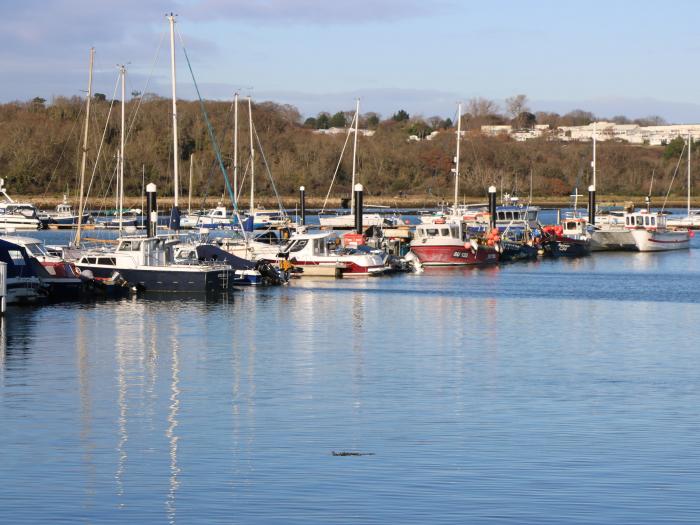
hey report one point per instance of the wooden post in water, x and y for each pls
(151, 210)
(591, 205)
(302, 205)
(358, 208)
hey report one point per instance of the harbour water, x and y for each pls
(562, 391)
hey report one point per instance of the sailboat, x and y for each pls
(347, 221)
(148, 263)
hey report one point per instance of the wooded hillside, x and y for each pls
(40, 153)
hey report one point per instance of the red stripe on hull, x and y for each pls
(454, 255)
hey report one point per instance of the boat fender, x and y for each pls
(691, 233)
(86, 275)
(474, 244)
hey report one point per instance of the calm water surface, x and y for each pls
(549, 392)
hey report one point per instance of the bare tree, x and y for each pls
(480, 107)
(516, 105)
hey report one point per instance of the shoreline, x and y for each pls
(49, 202)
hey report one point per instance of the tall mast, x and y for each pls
(120, 183)
(593, 163)
(690, 143)
(235, 147)
(459, 137)
(252, 158)
(354, 155)
(85, 139)
(176, 175)
(189, 186)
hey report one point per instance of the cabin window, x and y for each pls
(653, 221)
(646, 221)
(445, 232)
(35, 249)
(90, 260)
(111, 261)
(129, 246)
(640, 220)
(532, 215)
(298, 245)
(501, 216)
(432, 232)
(16, 256)
(455, 231)
(570, 225)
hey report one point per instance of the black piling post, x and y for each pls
(358, 208)
(151, 210)
(591, 205)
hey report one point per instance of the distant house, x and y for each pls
(343, 131)
(631, 133)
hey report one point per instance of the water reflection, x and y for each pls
(170, 502)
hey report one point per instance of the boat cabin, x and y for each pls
(134, 251)
(645, 220)
(447, 230)
(507, 215)
(575, 227)
(316, 244)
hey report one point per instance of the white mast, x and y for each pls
(354, 156)
(252, 158)
(235, 147)
(459, 137)
(85, 139)
(690, 143)
(593, 163)
(120, 181)
(176, 175)
(189, 186)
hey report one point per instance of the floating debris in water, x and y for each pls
(352, 453)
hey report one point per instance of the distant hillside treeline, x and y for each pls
(40, 153)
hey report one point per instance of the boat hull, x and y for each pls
(573, 247)
(454, 255)
(658, 241)
(156, 279)
(613, 240)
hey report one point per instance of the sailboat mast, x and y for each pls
(176, 175)
(459, 137)
(690, 143)
(593, 162)
(189, 186)
(235, 147)
(252, 158)
(85, 139)
(120, 184)
(354, 155)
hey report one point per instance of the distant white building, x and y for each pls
(343, 131)
(632, 133)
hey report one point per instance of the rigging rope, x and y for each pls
(215, 144)
(347, 138)
(675, 172)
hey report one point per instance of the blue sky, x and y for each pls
(615, 57)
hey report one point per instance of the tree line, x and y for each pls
(40, 149)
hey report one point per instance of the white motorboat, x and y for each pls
(690, 221)
(318, 250)
(211, 219)
(17, 215)
(65, 215)
(651, 233)
(347, 221)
